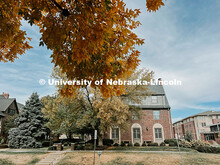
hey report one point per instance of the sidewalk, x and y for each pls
(52, 158)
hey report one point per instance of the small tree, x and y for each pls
(9, 122)
(189, 136)
(30, 130)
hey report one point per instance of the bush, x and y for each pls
(203, 149)
(3, 141)
(185, 143)
(167, 141)
(108, 142)
(52, 148)
(162, 144)
(79, 147)
(122, 144)
(136, 144)
(172, 144)
(197, 143)
(116, 144)
(101, 147)
(129, 145)
(144, 144)
(45, 143)
(153, 144)
(208, 149)
(89, 146)
(66, 144)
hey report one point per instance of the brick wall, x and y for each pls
(190, 127)
(179, 129)
(147, 122)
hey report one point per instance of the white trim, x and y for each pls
(119, 134)
(158, 125)
(136, 125)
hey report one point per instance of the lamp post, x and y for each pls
(95, 137)
(99, 153)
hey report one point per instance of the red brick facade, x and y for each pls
(182, 129)
(147, 124)
(197, 125)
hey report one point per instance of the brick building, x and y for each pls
(154, 124)
(197, 125)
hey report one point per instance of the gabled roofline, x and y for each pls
(200, 114)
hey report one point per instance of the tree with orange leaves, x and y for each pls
(89, 39)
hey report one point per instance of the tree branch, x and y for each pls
(90, 102)
(65, 12)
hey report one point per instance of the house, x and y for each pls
(154, 124)
(8, 107)
(196, 124)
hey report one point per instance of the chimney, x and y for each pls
(6, 95)
(160, 81)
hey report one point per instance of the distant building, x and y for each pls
(154, 125)
(196, 124)
(8, 107)
(213, 134)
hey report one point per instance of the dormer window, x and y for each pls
(154, 99)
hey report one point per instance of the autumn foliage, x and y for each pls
(89, 39)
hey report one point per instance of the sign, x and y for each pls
(95, 135)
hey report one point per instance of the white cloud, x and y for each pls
(189, 54)
(176, 119)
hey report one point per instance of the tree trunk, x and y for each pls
(100, 140)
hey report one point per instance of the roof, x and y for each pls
(155, 90)
(206, 113)
(20, 105)
(5, 103)
(2, 114)
(2, 97)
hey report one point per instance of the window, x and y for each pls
(115, 133)
(209, 137)
(156, 115)
(202, 117)
(216, 116)
(203, 124)
(11, 111)
(136, 133)
(158, 133)
(154, 99)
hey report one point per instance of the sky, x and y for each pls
(182, 42)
